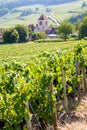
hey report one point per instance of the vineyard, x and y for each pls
(36, 89)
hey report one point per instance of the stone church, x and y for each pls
(42, 24)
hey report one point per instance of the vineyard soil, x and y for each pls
(77, 120)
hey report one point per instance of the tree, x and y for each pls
(83, 28)
(23, 33)
(39, 35)
(10, 36)
(77, 25)
(65, 29)
(30, 32)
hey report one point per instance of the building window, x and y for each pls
(40, 23)
(46, 22)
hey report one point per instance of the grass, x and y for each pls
(24, 52)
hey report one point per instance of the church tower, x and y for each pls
(42, 23)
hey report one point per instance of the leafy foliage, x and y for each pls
(18, 34)
(83, 28)
(65, 29)
(20, 83)
(39, 35)
(10, 36)
(23, 33)
(77, 18)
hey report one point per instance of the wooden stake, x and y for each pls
(64, 86)
(28, 124)
(54, 116)
(78, 73)
(83, 84)
(84, 79)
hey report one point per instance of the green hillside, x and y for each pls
(29, 14)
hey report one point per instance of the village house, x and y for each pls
(42, 26)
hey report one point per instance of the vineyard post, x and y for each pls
(54, 115)
(83, 83)
(64, 86)
(78, 73)
(28, 124)
(84, 77)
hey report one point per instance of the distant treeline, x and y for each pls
(74, 19)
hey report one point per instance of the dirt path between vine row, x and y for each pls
(77, 118)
